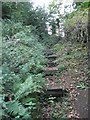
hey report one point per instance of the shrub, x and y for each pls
(23, 63)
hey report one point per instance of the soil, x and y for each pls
(78, 98)
(81, 103)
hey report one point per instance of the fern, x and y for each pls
(23, 60)
(16, 109)
(25, 88)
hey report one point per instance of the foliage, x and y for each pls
(76, 22)
(23, 59)
(56, 107)
(24, 13)
(23, 63)
(81, 5)
(55, 17)
(82, 85)
(69, 52)
(17, 11)
(72, 58)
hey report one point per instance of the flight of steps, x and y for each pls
(54, 86)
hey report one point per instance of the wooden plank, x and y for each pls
(51, 59)
(55, 92)
(48, 53)
(50, 70)
(52, 56)
(51, 64)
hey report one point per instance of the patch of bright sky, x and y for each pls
(41, 3)
(45, 3)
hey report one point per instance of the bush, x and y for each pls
(23, 63)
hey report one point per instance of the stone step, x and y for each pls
(52, 77)
(52, 60)
(51, 64)
(51, 70)
(48, 53)
(55, 83)
(52, 56)
(55, 92)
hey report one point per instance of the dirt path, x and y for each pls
(78, 98)
(81, 103)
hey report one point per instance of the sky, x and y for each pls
(41, 2)
(46, 2)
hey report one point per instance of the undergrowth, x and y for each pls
(73, 57)
(23, 64)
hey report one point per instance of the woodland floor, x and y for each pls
(75, 103)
